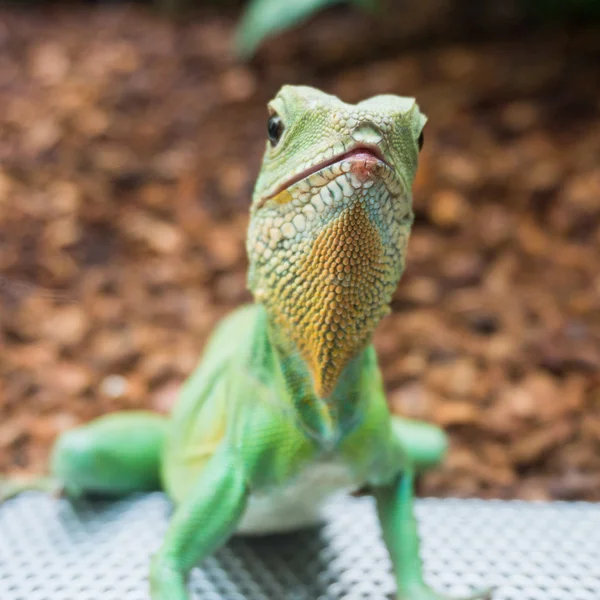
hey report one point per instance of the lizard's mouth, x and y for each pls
(369, 155)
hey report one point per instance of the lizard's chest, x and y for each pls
(297, 504)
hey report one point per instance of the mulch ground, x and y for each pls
(129, 151)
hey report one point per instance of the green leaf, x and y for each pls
(564, 8)
(266, 17)
(367, 5)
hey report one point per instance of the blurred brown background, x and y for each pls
(129, 144)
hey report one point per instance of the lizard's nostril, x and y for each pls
(367, 133)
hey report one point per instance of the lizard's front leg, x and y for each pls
(203, 522)
(395, 505)
(113, 455)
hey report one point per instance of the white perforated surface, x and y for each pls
(52, 550)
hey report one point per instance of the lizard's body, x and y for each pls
(307, 467)
(287, 405)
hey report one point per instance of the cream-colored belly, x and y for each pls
(298, 504)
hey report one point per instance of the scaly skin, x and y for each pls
(287, 405)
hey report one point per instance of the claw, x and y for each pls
(9, 488)
(481, 595)
(426, 593)
(58, 491)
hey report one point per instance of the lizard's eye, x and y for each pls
(275, 129)
(420, 141)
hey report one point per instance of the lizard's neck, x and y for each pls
(326, 292)
(328, 418)
(324, 263)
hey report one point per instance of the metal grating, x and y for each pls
(52, 550)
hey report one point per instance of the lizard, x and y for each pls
(287, 405)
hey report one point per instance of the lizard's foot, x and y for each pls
(11, 488)
(426, 593)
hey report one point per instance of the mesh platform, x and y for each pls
(52, 550)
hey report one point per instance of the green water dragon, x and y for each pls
(287, 405)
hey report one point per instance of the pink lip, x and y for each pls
(364, 153)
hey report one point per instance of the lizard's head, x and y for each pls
(330, 220)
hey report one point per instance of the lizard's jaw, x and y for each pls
(326, 258)
(365, 156)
